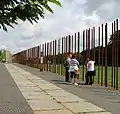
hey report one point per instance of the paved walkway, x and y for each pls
(103, 97)
(46, 98)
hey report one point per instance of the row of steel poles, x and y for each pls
(88, 44)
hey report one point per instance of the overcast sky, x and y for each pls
(73, 16)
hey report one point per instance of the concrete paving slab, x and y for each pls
(69, 99)
(33, 93)
(83, 107)
(59, 93)
(33, 77)
(36, 95)
(100, 113)
(54, 112)
(48, 87)
(40, 97)
(36, 81)
(32, 89)
(45, 105)
(26, 85)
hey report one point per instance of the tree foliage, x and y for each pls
(115, 37)
(11, 11)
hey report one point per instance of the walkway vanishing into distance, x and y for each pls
(25, 90)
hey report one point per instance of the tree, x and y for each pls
(11, 11)
(114, 37)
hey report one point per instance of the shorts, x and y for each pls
(73, 75)
(91, 73)
(73, 68)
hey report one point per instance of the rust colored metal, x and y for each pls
(72, 44)
(66, 44)
(50, 56)
(59, 57)
(112, 75)
(94, 42)
(47, 55)
(117, 54)
(98, 55)
(42, 56)
(38, 49)
(75, 44)
(55, 56)
(69, 48)
(106, 55)
(83, 73)
(78, 44)
(102, 58)
(114, 41)
(86, 46)
(62, 45)
(88, 35)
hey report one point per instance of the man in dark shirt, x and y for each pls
(67, 64)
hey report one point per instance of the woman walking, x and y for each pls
(74, 69)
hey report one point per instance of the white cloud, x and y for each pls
(73, 16)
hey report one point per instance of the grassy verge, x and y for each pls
(59, 69)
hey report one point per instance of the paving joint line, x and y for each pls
(44, 90)
(49, 95)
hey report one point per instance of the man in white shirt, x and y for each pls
(90, 72)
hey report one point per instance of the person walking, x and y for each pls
(67, 65)
(74, 69)
(90, 71)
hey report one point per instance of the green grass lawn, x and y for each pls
(59, 69)
(101, 79)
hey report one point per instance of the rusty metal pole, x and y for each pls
(106, 55)
(55, 56)
(50, 56)
(75, 43)
(66, 44)
(102, 59)
(83, 55)
(98, 55)
(78, 46)
(78, 53)
(72, 43)
(86, 47)
(69, 49)
(94, 50)
(62, 45)
(43, 65)
(117, 54)
(32, 57)
(45, 56)
(59, 55)
(92, 43)
(47, 47)
(89, 43)
(86, 44)
(38, 49)
(41, 58)
(112, 56)
(114, 40)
